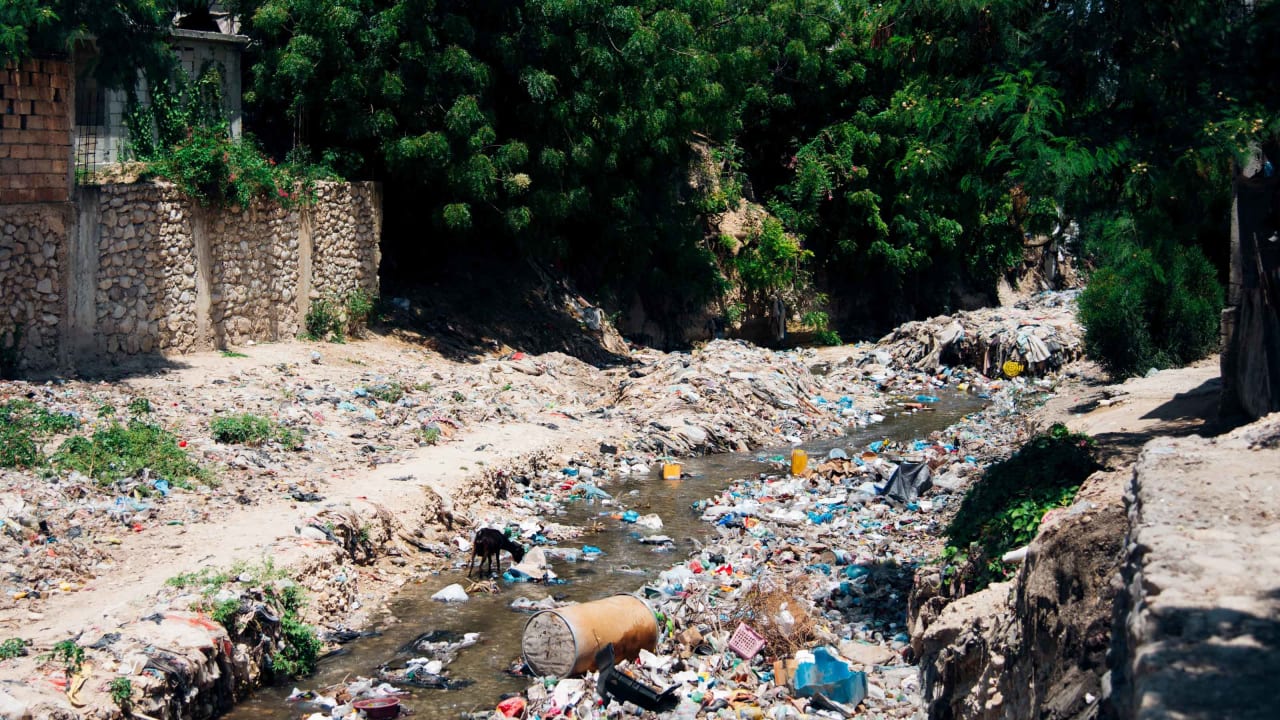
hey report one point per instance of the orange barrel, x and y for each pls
(564, 642)
(799, 461)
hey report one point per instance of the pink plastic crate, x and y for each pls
(745, 642)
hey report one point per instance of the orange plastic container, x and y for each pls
(799, 461)
(671, 471)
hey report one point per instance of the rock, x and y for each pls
(451, 593)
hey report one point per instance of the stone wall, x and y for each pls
(1197, 622)
(32, 267)
(253, 279)
(35, 131)
(342, 261)
(139, 268)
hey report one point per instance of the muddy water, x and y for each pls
(625, 566)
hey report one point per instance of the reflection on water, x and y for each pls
(624, 567)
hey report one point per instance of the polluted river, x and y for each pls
(480, 674)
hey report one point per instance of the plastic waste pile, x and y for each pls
(796, 608)
(1033, 336)
(353, 699)
(731, 396)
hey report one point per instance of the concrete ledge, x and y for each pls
(1198, 626)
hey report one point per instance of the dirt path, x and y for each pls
(1122, 417)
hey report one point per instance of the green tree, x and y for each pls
(129, 33)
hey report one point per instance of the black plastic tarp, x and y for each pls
(908, 481)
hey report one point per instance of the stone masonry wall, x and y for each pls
(344, 215)
(139, 268)
(145, 288)
(254, 275)
(35, 131)
(32, 267)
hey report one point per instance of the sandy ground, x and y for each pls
(1122, 417)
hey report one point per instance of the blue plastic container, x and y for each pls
(832, 677)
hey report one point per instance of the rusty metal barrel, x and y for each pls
(564, 642)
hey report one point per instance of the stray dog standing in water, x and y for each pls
(488, 544)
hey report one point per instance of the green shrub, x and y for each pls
(323, 321)
(69, 654)
(224, 613)
(429, 435)
(22, 425)
(218, 170)
(299, 649)
(123, 451)
(359, 306)
(1141, 311)
(12, 648)
(252, 430)
(121, 690)
(1002, 511)
(139, 406)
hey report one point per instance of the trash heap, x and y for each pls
(1033, 336)
(797, 607)
(731, 396)
(42, 555)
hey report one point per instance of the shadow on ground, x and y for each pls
(472, 311)
(102, 370)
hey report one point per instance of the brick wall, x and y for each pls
(36, 100)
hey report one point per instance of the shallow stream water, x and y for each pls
(625, 566)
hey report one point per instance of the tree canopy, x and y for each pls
(904, 147)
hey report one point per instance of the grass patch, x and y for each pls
(12, 648)
(120, 451)
(252, 430)
(207, 580)
(23, 425)
(387, 392)
(1003, 510)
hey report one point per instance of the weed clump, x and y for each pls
(119, 451)
(1003, 510)
(297, 649)
(387, 392)
(335, 317)
(12, 648)
(23, 425)
(252, 430)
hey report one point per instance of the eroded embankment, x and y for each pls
(1046, 643)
